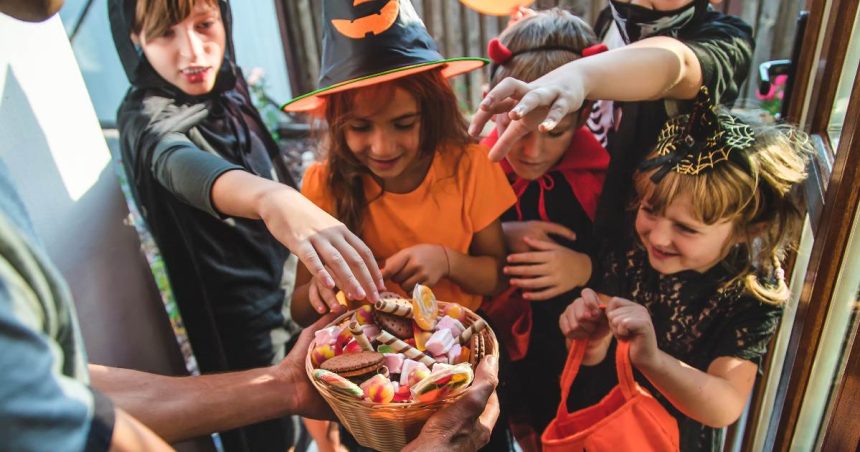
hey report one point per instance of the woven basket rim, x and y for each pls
(329, 395)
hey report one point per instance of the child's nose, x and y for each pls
(661, 234)
(380, 144)
(190, 44)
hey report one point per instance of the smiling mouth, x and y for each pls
(662, 254)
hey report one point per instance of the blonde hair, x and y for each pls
(155, 17)
(759, 200)
(552, 28)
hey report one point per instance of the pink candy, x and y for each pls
(440, 342)
(378, 389)
(407, 367)
(394, 362)
(327, 336)
(416, 374)
(454, 353)
(452, 324)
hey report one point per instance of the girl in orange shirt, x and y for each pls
(400, 169)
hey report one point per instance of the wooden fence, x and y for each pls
(460, 31)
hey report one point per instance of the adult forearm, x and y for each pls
(479, 275)
(178, 408)
(707, 398)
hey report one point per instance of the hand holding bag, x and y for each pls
(629, 418)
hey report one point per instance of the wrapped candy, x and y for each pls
(321, 353)
(327, 335)
(353, 346)
(378, 389)
(456, 312)
(407, 367)
(416, 374)
(440, 342)
(364, 315)
(338, 383)
(425, 309)
(442, 383)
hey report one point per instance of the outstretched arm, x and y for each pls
(327, 248)
(664, 67)
(178, 408)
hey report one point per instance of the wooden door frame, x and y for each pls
(840, 201)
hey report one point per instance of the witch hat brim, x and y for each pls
(495, 7)
(450, 67)
(365, 42)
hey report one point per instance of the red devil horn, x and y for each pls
(497, 51)
(594, 50)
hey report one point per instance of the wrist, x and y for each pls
(271, 198)
(447, 272)
(648, 363)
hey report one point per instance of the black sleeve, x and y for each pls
(187, 171)
(102, 423)
(724, 46)
(747, 333)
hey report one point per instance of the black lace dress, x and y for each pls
(697, 318)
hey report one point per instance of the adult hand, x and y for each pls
(467, 423)
(539, 105)
(306, 400)
(425, 264)
(328, 249)
(549, 271)
(516, 231)
(631, 322)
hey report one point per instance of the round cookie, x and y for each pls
(399, 327)
(354, 364)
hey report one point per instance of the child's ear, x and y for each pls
(135, 39)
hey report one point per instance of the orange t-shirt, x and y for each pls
(448, 208)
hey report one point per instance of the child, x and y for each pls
(400, 169)
(698, 289)
(204, 171)
(662, 52)
(557, 177)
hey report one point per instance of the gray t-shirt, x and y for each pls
(45, 400)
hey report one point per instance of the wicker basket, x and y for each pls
(388, 427)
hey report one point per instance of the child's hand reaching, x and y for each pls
(547, 271)
(631, 322)
(516, 231)
(584, 318)
(425, 264)
(322, 297)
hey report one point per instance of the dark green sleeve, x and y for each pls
(724, 47)
(187, 171)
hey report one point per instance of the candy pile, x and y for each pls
(398, 350)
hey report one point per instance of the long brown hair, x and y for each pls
(759, 201)
(155, 17)
(443, 129)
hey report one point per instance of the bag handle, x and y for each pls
(623, 367)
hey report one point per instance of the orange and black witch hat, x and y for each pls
(373, 41)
